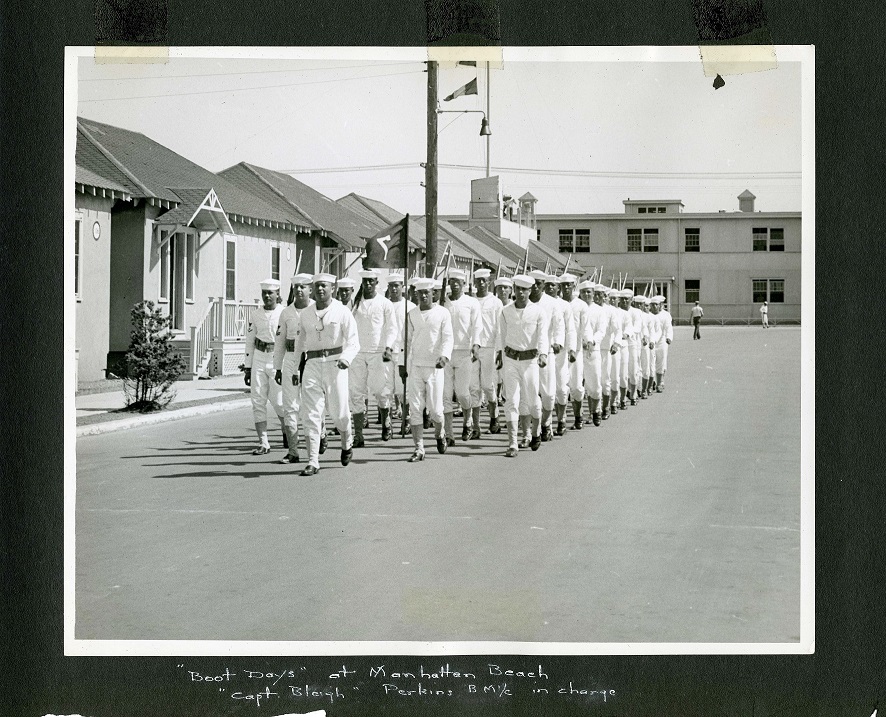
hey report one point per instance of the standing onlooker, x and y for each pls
(764, 313)
(696, 314)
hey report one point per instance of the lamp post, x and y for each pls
(484, 128)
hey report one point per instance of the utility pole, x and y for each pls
(431, 175)
(488, 136)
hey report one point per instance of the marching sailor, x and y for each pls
(286, 362)
(259, 364)
(576, 368)
(567, 357)
(462, 373)
(522, 349)
(490, 310)
(429, 342)
(557, 339)
(661, 348)
(327, 335)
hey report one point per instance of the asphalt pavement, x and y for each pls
(677, 520)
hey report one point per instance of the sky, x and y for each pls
(581, 136)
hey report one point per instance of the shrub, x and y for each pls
(151, 364)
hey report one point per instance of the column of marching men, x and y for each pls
(531, 345)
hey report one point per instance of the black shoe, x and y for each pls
(613, 409)
(386, 433)
(475, 434)
(659, 389)
(494, 426)
(465, 433)
(596, 419)
(324, 444)
(359, 442)
(289, 458)
(511, 452)
(623, 406)
(545, 435)
(416, 457)
(577, 426)
(310, 471)
(524, 443)
(346, 456)
(633, 401)
(560, 429)
(441, 445)
(605, 415)
(535, 443)
(450, 441)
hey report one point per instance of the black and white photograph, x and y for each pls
(303, 286)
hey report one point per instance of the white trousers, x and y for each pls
(521, 388)
(461, 376)
(263, 387)
(645, 361)
(593, 366)
(424, 389)
(547, 383)
(624, 366)
(605, 370)
(561, 377)
(661, 357)
(576, 376)
(324, 390)
(488, 375)
(291, 394)
(370, 376)
(633, 373)
(615, 369)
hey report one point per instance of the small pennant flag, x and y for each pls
(468, 89)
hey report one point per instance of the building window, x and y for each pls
(651, 210)
(693, 240)
(164, 265)
(693, 290)
(575, 241)
(538, 235)
(641, 210)
(766, 239)
(771, 290)
(635, 240)
(190, 252)
(230, 270)
(334, 260)
(566, 241)
(77, 264)
(650, 240)
(275, 263)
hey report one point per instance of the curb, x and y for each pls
(95, 429)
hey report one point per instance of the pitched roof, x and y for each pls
(330, 218)
(528, 196)
(379, 214)
(746, 194)
(150, 170)
(511, 252)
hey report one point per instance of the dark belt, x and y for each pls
(264, 345)
(520, 355)
(290, 344)
(323, 353)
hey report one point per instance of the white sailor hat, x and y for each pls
(601, 288)
(395, 278)
(639, 298)
(368, 274)
(438, 284)
(270, 285)
(589, 285)
(525, 281)
(552, 279)
(657, 299)
(414, 280)
(482, 273)
(568, 279)
(346, 283)
(424, 284)
(300, 279)
(503, 281)
(323, 277)
(538, 275)
(625, 294)
(457, 274)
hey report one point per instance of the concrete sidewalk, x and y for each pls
(103, 412)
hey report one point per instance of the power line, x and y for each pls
(246, 72)
(247, 89)
(556, 172)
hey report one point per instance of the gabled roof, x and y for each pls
(150, 170)
(746, 194)
(379, 214)
(330, 218)
(512, 253)
(528, 197)
(92, 168)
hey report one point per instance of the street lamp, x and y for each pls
(484, 128)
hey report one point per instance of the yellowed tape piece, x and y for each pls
(737, 59)
(131, 55)
(451, 56)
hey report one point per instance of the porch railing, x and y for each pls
(201, 336)
(230, 319)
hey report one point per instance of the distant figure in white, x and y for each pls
(764, 314)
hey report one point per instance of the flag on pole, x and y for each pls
(386, 249)
(468, 89)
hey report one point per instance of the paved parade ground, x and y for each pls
(675, 521)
